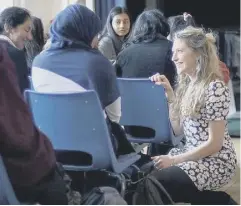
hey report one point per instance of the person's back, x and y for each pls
(27, 153)
(142, 60)
(148, 51)
(71, 71)
(72, 63)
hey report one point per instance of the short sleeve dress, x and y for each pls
(216, 170)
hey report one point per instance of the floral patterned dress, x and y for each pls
(216, 170)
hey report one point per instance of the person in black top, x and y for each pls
(35, 46)
(15, 29)
(147, 51)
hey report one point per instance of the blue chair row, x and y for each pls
(144, 104)
(75, 122)
(7, 195)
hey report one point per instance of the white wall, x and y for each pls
(5, 3)
(44, 9)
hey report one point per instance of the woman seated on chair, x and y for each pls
(28, 154)
(73, 62)
(147, 51)
(198, 107)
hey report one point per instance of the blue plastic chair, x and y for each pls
(144, 104)
(7, 194)
(75, 122)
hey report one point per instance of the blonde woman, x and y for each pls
(198, 108)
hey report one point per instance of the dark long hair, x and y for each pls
(35, 46)
(178, 23)
(108, 29)
(13, 17)
(149, 26)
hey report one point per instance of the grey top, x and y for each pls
(106, 47)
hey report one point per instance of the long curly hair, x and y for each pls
(149, 26)
(190, 95)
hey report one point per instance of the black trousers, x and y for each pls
(183, 190)
(50, 191)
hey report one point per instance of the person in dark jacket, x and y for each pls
(15, 29)
(27, 153)
(148, 51)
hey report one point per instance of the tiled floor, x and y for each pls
(233, 188)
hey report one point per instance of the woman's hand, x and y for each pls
(163, 161)
(162, 80)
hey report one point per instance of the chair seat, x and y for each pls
(122, 158)
(124, 161)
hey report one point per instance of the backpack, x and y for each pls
(150, 191)
(103, 196)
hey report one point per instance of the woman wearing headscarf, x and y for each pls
(27, 153)
(73, 62)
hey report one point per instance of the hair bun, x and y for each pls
(210, 38)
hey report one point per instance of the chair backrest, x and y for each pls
(73, 122)
(7, 195)
(144, 104)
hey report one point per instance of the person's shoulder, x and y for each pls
(10, 48)
(100, 66)
(164, 41)
(105, 40)
(40, 58)
(217, 83)
(98, 58)
(217, 87)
